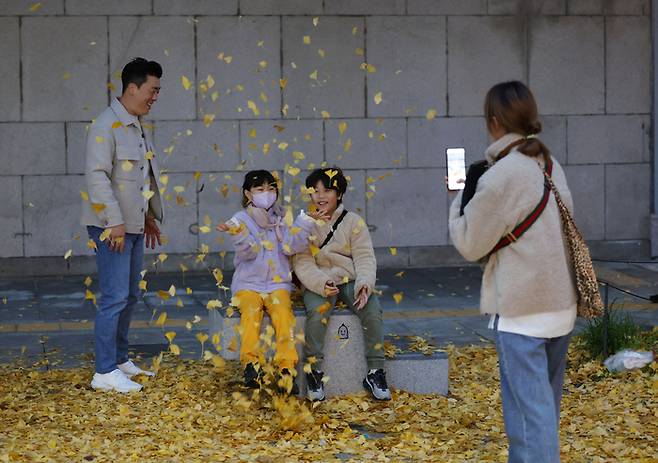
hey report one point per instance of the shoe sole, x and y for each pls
(97, 387)
(317, 399)
(370, 389)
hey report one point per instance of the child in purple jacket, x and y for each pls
(264, 238)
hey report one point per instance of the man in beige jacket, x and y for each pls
(124, 201)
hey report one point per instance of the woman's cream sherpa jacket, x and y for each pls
(532, 275)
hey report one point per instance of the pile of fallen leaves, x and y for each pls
(194, 411)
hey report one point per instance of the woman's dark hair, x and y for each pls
(331, 177)
(256, 178)
(515, 109)
(137, 72)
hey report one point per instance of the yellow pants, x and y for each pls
(279, 308)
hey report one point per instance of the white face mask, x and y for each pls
(264, 200)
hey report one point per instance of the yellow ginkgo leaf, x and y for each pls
(68, 254)
(170, 335)
(298, 155)
(393, 251)
(314, 249)
(378, 97)
(91, 244)
(88, 281)
(161, 319)
(397, 297)
(313, 75)
(127, 166)
(267, 245)
(100, 139)
(174, 349)
(208, 119)
(431, 114)
(84, 195)
(331, 173)
(293, 170)
(117, 125)
(172, 291)
(185, 81)
(148, 194)
(202, 337)
(219, 276)
(213, 304)
(105, 234)
(179, 302)
(204, 229)
(98, 207)
(342, 126)
(252, 105)
(162, 257)
(89, 296)
(142, 285)
(306, 39)
(283, 83)
(325, 114)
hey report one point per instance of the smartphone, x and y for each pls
(456, 166)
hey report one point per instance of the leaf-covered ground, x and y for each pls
(194, 411)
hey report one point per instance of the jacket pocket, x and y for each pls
(127, 165)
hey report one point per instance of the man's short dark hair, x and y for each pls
(137, 72)
(331, 177)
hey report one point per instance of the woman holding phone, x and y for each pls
(512, 225)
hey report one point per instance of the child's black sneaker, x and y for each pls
(251, 376)
(315, 386)
(286, 383)
(375, 383)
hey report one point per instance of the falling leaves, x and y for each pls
(185, 82)
(431, 114)
(397, 297)
(378, 98)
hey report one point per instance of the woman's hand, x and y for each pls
(362, 297)
(330, 288)
(222, 227)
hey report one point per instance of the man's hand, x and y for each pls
(151, 233)
(362, 297)
(116, 240)
(330, 289)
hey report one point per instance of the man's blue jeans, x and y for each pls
(531, 376)
(118, 275)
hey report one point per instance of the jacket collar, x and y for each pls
(122, 113)
(492, 152)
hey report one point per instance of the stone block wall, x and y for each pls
(289, 85)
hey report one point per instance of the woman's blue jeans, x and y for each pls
(531, 376)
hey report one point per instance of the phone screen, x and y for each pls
(456, 165)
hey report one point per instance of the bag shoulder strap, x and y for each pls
(333, 228)
(521, 228)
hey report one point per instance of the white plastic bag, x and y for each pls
(628, 360)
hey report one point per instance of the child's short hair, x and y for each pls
(256, 178)
(331, 177)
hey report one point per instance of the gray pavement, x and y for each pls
(47, 319)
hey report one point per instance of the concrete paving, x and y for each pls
(49, 318)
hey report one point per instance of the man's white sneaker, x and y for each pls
(114, 381)
(130, 369)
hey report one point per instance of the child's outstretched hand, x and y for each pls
(319, 214)
(232, 226)
(362, 297)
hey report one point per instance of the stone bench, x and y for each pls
(344, 359)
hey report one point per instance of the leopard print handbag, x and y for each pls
(590, 304)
